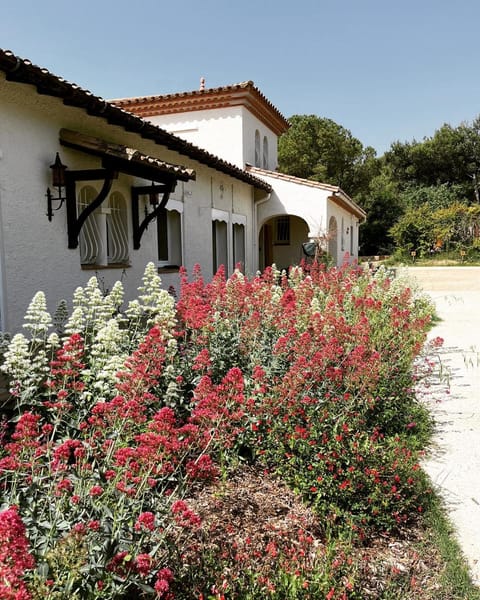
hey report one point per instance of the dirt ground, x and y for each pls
(449, 279)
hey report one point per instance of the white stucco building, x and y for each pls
(238, 123)
(204, 192)
(105, 224)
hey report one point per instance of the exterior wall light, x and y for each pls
(154, 196)
(58, 181)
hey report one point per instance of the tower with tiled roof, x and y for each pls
(235, 122)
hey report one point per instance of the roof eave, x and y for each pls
(20, 70)
(241, 94)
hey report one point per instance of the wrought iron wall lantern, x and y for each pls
(154, 195)
(58, 182)
(153, 200)
(64, 181)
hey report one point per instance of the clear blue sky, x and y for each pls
(385, 69)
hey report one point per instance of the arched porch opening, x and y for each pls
(280, 241)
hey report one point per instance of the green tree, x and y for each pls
(450, 157)
(382, 203)
(434, 196)
(319, 149)
(414, 231)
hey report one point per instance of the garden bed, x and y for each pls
(248, 439)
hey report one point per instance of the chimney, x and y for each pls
(202, 83)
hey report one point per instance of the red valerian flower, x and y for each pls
(121, 564)
(162, 585)
(202, 468)
(145, 521)
(143, 564)
(15, 557)
(96, 490)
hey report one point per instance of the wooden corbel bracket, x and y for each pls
(138, 228)
(74, 221)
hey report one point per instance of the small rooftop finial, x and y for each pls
(202, 83)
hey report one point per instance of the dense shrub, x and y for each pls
(119, 422)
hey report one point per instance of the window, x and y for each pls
(238, 238)
(220, 247)
(220, 220)
(343, 235)
(117, 230)
(103, 239)
(257, 148)
(265, 152)
(169, 235)
(282, 230)
(90, 238)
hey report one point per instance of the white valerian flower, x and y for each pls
(97, 309)
(17, 357)
(108, 356)
(277, 294)
(115, 297)
(134, 310)
(315, 305)
(151, 290)
(53, 342)
(78, 297)
(37, 319)
(23, 371)
(76, 322)
(105, 379)
(109, 339)
(296, 274)
(172, 345)
(155, 306)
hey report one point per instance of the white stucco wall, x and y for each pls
(347, 233)
(305, 202)
(217, 130)
(250, 125)
(35, 254)
(227, 132)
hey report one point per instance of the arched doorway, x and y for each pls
(332, 239)
(280, 241)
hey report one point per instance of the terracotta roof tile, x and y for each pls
(21, 70)
(293, 179)
(342, 198)
(238, 94)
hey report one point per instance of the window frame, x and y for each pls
(282, 238)
(265, 152)
(98, 228)
(258, 156)
(174, 234)
(237, 221)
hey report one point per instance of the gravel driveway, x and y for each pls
(453, 462)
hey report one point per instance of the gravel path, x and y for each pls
(454, 460)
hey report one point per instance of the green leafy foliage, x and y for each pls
(427, 231)
(320, 149)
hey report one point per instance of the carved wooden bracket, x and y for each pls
(138, 228)
(74, 221)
